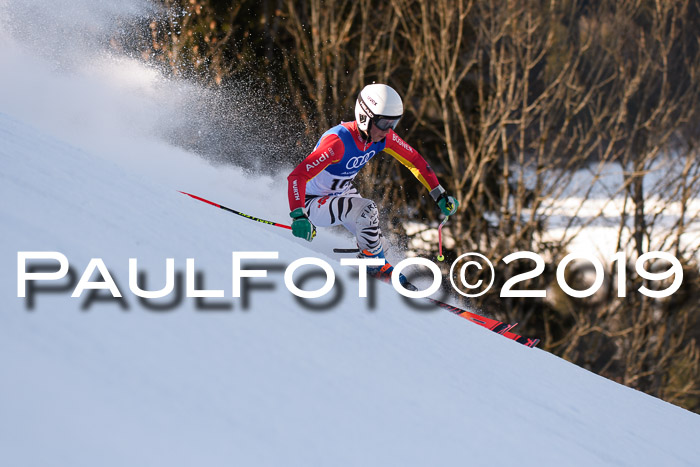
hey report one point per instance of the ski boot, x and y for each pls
(383, 273)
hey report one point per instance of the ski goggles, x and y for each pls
(385, 123)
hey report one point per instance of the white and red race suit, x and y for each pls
(322, 182)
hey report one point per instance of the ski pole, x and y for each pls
(440, 256)
(247, 216)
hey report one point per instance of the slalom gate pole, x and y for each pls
(247, 216)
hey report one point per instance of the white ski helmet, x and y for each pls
(380, 105)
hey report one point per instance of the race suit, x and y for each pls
(322, 182)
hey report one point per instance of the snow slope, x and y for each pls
(84, 172)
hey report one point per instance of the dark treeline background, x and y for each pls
(508, 100)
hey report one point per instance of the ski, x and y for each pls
(494, 325)
(491, 324)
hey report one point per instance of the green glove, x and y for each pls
(302, 226)
(448, 205)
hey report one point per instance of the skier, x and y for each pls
(321, 192)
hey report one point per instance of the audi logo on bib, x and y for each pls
(358, 161)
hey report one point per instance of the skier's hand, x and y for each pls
(302, 226)
(448, 204)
